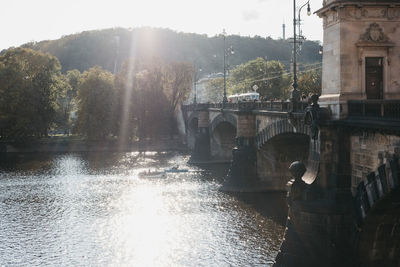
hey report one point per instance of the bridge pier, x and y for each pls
(320, 229)
(242, 175)
(201, 152)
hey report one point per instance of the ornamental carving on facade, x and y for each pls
(393, 13)
(374, 34)
(357, 13)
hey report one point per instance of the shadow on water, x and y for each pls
(272, 205)
(269, 205)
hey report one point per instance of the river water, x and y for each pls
(94, 210)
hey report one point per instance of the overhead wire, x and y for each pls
(289, 74)
(280, 72)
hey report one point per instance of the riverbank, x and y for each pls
(60, 145)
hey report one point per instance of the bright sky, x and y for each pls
(27, 20)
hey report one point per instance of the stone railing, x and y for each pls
(376, 186)
(386, 109)
(283, 106)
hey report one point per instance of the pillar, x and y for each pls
(242, 175)
(201, 152)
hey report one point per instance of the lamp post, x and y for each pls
(195, 85)
(308, 14)
(265, 72)
(295, 93)
(227, 51)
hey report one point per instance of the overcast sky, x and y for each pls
(22, 21)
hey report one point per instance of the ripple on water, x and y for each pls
(93, 210)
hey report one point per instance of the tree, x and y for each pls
(29, 87)
(152, 108)
(177, 82)
(310, 82)
(64, 105)
(215, 90)
(73, 78)
(148, 96)
(127, 102)
(269, 77)
(96, 99)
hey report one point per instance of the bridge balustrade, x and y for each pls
(283, 106)
(385, 109)
(377, 185)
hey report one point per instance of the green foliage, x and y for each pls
(153, 115)
(73, 78)
(107, 47)
(310, 82)
(30, 83)
(215, 89)
(65, 104)
(127, 99)
(96, 100)
(178, 79)
(148, 95)
(177, 82)
(269, 77)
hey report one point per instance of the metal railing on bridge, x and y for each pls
(283, 106)
(384, 109)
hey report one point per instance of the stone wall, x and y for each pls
(264, 120)
(191, 131)
(223, 141)
(203, 121)
(353, 31)
(246, 125)
(354, 51)
(275, 157)
(213, 114)
(368, 152)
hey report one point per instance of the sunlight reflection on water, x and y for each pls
(94, 210)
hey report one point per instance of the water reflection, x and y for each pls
(94, 210)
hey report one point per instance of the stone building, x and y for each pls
(361, 61)
(361, 52)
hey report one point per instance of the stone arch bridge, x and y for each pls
(341, 208)
(273, 135)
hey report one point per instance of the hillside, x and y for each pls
(111, 47)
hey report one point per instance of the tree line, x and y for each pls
(138, 102)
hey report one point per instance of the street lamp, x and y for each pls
(227, 51)
(295, 93)
(308, 14)
(195, 85)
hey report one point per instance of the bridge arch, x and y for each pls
(280, 127)
(281, 143)
(223, 136)
(224, 117)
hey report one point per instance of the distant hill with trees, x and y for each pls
(109, 48)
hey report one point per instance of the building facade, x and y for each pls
(361, 52)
